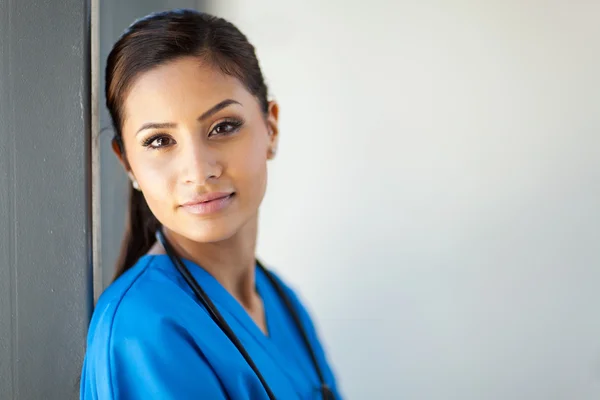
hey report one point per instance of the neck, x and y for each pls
(231, 261)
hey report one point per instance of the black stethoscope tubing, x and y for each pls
(222, 324)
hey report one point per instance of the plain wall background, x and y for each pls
(436, 196)
(45, 194)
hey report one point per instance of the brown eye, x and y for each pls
(158, 141)
(226, 128)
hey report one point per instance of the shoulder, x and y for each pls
(135, 332)
(143, 292)
(139, 310)
(145, 296)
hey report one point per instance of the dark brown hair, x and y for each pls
(155, 40)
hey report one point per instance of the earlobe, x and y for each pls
(134, 181)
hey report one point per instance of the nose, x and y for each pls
(199, 163)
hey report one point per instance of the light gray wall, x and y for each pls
(45, 280)
(115, 17)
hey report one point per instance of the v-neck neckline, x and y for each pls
(227, 304)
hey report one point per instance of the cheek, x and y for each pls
(157, 183)
(248, 169)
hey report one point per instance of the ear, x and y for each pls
(273, 127)
(119, 152)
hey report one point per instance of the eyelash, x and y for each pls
(148, 142)
(236, 124)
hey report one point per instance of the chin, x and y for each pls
(208, 231)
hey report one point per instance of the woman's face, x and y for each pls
(197, 143)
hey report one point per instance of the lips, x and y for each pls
(209, 203)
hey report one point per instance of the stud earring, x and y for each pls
(134, 182)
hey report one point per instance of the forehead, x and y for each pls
(179, 88)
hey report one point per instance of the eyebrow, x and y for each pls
(213, 110)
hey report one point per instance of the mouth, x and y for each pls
(209, 203)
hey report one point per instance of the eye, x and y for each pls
(226, 127)
(158, 141)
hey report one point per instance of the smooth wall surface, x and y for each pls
(45, 242)
(436, 197)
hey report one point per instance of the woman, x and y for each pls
(192, 314)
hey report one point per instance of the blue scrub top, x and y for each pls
(150, 338)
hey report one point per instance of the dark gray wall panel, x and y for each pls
(45, 293)
(6, 210)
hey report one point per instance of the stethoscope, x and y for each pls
(216, 316)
